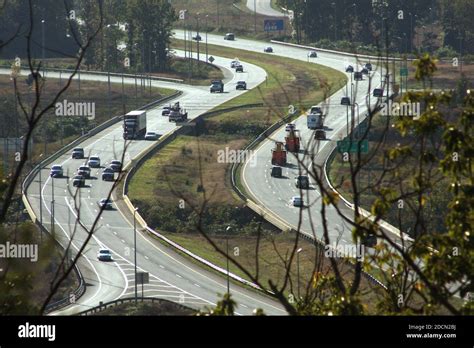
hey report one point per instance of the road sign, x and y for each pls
(143, 277)
(211, 59)
(353, 147)
(273, 25)
(403, 71)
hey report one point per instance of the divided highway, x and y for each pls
(172, 276)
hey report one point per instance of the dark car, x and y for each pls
(313, 54)
(302, 182)
(370, 241)
(368, 66)
(268, 49)
(217, 86)
(349, 69)
(166, 111)
(320, 134)
(365, 71)
(78, 181)
(116, 165)
(197, 37)
(108, 174)
(84, 171)
(378, 92)
(105, 203)
(276, 172)
(358, 76)
(78, 153)
(229, 36)
(239, 68)
(345, 101)
(241, 85)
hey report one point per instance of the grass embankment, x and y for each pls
(176, 172)
(54, 131)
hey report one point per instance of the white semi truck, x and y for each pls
(134, 125)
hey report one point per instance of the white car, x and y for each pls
(104, 255)
(297, 201)
(151, 136)
(94, 162)
(290, 127)
(234, 63)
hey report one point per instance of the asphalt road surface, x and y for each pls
(263, 7)
(171, 276)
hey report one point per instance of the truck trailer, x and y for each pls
(134, 125)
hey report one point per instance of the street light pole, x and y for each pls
(255, 14)
(52, 205)
(227, 257)
(207, 29)
(42, 40)
(335, 21)
(135, 247)
(198, 40)
(298, 269)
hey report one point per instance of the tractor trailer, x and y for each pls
(134, 125)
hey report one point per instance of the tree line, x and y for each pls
(440, 23)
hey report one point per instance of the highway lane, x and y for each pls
(275, 194)
(263, 7)
(172, 276)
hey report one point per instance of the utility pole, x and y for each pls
(52, 205)
(207, 29)
(298, 269)
(198, 39)
(42, 40)
(255, 14)
(227, 257)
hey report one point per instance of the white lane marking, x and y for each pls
(178, 276)
(77, 248)
(197, 285)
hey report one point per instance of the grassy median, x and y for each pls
(188, 169)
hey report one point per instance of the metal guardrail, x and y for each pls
(115, 303)
(29, 178)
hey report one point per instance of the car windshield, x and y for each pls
(84, 168)
(56, 167)
(78, 150)
(115, 162)
(94, 158)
